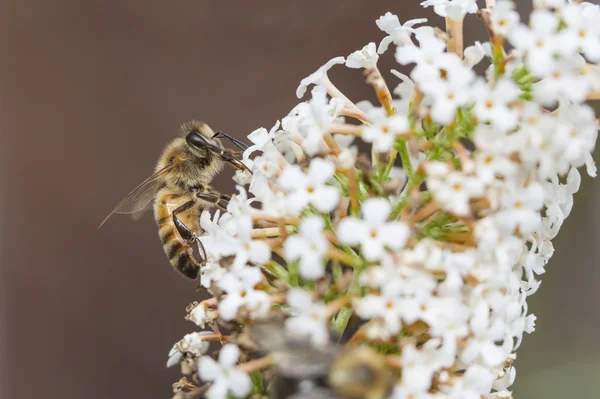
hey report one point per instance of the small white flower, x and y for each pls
(453, 190)
(308, 318)
(310, 188)
(309, 246)
(404, 91)
(239, 285)
(191, 343)
(309, 121)
(429, 56)
(455, 9)
(383, 134)
(562, 82)
(318, 76)
(474, 54)
(488, 166)
(476, 381)
(504, 17)
(365, 58)
(492, 105)
(225, 377)
(202, 315)
(486, 333)
(397, 33)
(374, 233)
(246, 249)
(540, 41)
(450, 90)
(521, 207)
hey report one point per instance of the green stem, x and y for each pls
(402, 149)
(278, 271)
(341, 320)
(402, 200)
(293, 273)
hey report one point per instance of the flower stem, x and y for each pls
(347, 129)
(353, 190)
(375, 79)
(402, 148)
(256, 364)
(454, 27)
(341, 320)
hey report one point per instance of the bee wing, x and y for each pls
(141, 196)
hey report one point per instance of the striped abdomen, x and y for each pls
(179, 251)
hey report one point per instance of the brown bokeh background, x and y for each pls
(90, 91)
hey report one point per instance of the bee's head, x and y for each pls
(199, 138)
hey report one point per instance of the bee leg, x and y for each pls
(220, 200)
(235, 141)
(186, 233)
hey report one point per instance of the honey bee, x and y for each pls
(329, 372)
(180, 188)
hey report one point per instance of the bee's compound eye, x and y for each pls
(195, 139)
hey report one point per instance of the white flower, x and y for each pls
(397, 33)
(309, 246)
(450, 90)
(583, 31)
(476, 381)
(455, 9)
(384, 132)
(489, 165)
(403, 294)
(453, 190)
(492, 104)
(239, 285)
(308, 318)
(504, 17)
(374, 233)
(365, 58)
(540, 42)
(474, 54)
(309, 121)
(404, 91)
(429, 57)
(318, 76)
(225, 377)
(191, 343)
(202, 315)
(310, 188)
(562, 82)
(246, 249)
(486, 333)
(521, 207)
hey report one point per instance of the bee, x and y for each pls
(180, 189)
(331, 372)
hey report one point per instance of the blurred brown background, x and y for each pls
(90, 91)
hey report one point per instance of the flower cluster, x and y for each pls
(434, 238)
